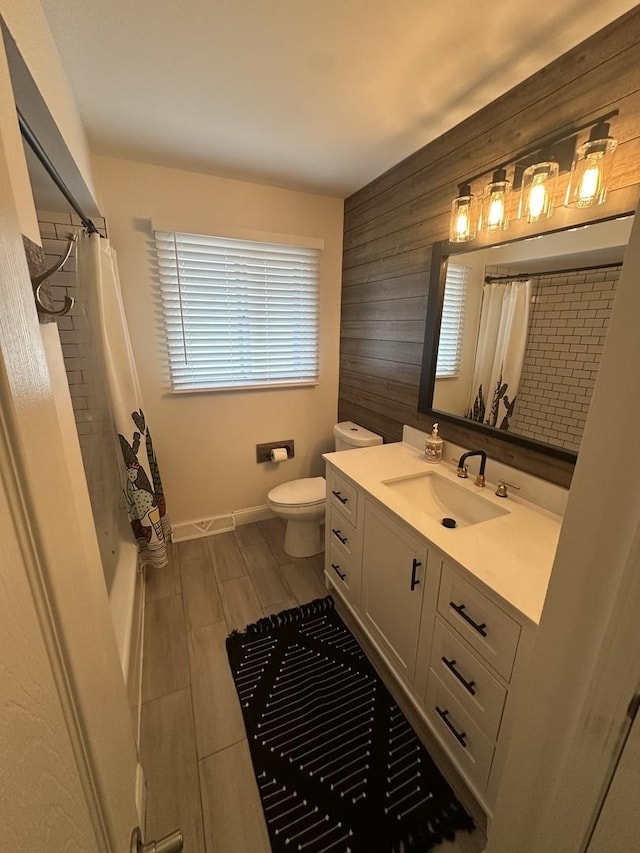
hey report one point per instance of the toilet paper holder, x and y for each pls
(263, 451)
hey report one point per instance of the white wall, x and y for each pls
(206, 441)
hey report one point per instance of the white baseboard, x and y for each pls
(219, 523)
(251, 514)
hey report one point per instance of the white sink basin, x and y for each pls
(441, 498)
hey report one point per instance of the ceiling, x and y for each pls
(318, 95)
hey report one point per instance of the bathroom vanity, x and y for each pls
(452, 611)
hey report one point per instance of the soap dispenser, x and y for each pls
(433, 446)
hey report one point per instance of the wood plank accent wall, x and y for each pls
(392, 223)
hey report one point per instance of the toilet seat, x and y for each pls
(310, 491)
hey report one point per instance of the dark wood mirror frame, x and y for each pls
(557, 463)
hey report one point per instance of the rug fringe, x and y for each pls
(439, 828)
(285, 617)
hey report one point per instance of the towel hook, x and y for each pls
(39, 280)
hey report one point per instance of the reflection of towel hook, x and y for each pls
(38, 280)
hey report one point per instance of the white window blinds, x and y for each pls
(452, 324)
(238, 313)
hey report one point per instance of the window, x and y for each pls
(238, 313)
(452, 323)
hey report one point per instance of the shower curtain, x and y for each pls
(142, 486)
(502, 338)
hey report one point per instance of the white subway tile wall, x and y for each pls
(567, 328)
(86, 385)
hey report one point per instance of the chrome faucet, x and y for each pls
(462, 468)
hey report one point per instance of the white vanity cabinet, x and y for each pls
(393, 585)
(478, 659)
(344, 527)
(459, 651)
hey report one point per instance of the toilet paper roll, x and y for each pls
(279, 454)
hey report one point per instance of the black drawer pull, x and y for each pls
(451, 665)
(343, 539)
(336, 569)
(340, 498)
(459, 608)
(459, 736)
(414, 581)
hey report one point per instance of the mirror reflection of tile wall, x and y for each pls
(567, 327)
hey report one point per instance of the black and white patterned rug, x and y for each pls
(338, 766)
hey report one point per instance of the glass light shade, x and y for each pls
(591, 168)
(538, 191)
(464, 216)
(493, 216)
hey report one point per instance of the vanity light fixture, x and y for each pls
(538, 191)
(591, 167)
(462, 225)
(493, 215)
(535, 177)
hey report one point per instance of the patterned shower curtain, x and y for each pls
(502, 338)
(142, 486)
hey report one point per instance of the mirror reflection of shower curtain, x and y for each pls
(142, 485)
(502, 337)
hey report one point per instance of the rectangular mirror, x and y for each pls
(517, 331)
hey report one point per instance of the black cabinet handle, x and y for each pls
(459, 736)
(336, 569)
(414, 581)
(451, 665)
(340, 498)
(343, 539)
(459, 608)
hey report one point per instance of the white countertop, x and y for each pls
(512, 554)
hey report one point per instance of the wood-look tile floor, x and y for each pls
(193, 745)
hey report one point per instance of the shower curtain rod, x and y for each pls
(53, 173)
(522, 276)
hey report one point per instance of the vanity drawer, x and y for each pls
(487, 628)
(481, 695)
(470, 749)
(344, 496)
(344, 537)
(344, 574)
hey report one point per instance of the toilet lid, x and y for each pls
(311, 490)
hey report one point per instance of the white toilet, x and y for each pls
(301, 502)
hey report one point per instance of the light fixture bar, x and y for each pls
(561, 152)
(544, 143)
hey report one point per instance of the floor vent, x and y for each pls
(206, 527)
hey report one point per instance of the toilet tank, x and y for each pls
(348, 435)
